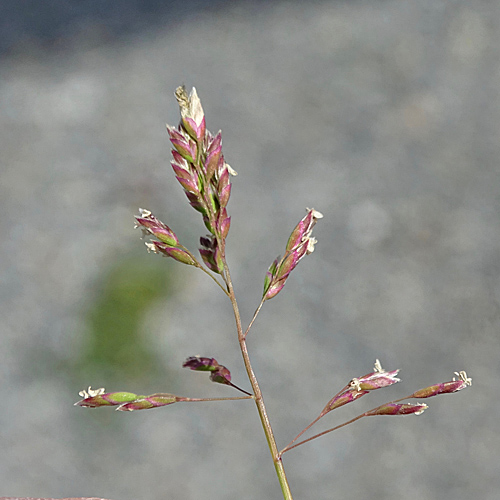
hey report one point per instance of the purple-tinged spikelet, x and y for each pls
(151, 225)
(192, 115)
(300, 243)
(126, 401)
(445, 387)
(210, 254)
(98, 397)
(147, 402)
(375, 380)
(343, 399)
(177, 254)
(219, 373)
(398, 409)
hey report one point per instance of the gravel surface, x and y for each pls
(382, 114)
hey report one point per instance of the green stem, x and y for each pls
(259, 401)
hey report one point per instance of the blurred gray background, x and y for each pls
(382, 114)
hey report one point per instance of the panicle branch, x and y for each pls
(124, 400)
(127, 401)
(378, 379)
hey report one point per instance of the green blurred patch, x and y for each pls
(116, 348)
